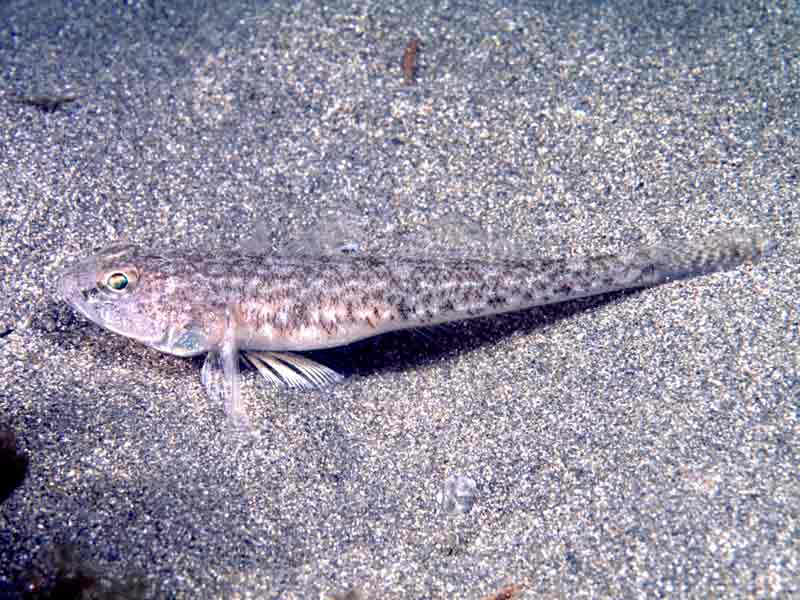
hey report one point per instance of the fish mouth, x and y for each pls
(74, 281)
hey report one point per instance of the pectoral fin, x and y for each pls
(292, 370)
(182, 340)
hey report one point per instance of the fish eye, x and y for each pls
(118, 281)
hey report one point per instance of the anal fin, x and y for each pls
(292, 370)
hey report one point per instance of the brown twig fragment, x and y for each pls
(410, 61)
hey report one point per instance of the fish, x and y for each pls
(265, 308)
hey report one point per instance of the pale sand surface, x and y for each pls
(639, 444)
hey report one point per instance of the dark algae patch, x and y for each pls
(60, 574)
(13, 464)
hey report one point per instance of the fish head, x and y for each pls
(132, 292)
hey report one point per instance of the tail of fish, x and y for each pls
(659, 264)
(547, 282)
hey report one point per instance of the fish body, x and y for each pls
(189, 302)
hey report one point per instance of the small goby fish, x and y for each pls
(189, 302)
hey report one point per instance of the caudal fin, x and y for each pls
(659, 264)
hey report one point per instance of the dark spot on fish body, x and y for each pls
(318, 300)
(188, 267)
(404, 310)
(647, 274)
(329, 326)
(578, 275)
(256, 317)
(377, 296)
(496, 301)
(300, 312)
(373, 262)
(539, 285)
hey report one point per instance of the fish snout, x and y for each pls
(75, 282)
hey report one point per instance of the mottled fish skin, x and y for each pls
(187, 302)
